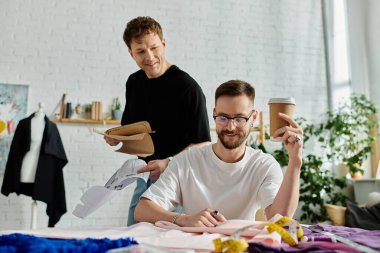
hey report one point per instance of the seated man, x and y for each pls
(227, 179)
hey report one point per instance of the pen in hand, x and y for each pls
(218, 216)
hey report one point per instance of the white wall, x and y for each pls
(364, 35)
(373, 33)
(76, 47)
(363, 24)
(373, 44)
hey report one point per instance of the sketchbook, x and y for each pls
(135, 138)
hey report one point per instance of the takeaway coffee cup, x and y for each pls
(276, 105)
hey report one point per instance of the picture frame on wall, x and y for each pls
(13, 108)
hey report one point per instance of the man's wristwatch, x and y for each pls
(174, 219)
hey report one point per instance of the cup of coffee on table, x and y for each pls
(276, 105)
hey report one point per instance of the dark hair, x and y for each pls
(139, 27)
(235, 88)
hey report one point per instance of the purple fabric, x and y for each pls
(319, 247)
(323, 243)
(365, 237)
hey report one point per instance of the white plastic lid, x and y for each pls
(282, 101)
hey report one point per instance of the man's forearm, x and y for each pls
(286, 200)
(148, 211)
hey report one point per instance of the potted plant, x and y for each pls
(117, 113)
(347, 133)
(318, 184)
(345, 137)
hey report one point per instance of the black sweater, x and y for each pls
(175, 107)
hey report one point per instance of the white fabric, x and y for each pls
(30, 160)
(148, 233)
(197, 179)
(227, 228)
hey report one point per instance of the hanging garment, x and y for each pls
(49, 185)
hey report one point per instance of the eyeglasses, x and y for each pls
(238, 121)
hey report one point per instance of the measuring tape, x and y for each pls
(230, 245)
(236, 244)
(292, 236)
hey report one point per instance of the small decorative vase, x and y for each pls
(117, 114)
(357, 175)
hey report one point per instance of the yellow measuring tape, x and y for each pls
(292, 236)
(236, 244)
(230, 245)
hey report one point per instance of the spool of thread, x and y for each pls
(373, 198)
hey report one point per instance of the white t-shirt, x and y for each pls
(197, 179)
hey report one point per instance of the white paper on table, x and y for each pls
(96, 196)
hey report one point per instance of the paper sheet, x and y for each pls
(97, 196)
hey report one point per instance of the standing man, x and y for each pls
(227, 179)
(165, 96)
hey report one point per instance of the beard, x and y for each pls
(242, 136)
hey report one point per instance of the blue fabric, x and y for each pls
(19, 243)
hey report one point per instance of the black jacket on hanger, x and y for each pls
(49, 185)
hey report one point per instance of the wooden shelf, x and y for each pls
(87, 121)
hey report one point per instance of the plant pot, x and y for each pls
(357, 175)
(117, 114)
(340, 170)
(336, 214)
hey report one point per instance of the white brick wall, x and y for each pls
(76, 47)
